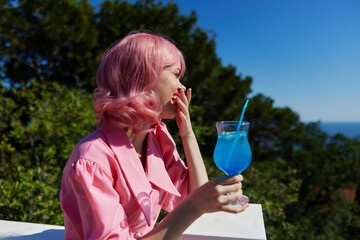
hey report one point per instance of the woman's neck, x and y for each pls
(139, 143)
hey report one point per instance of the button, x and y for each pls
(137, 235)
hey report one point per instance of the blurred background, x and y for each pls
(297, 61)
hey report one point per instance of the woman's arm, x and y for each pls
(91, 204)
(210, 197)
(197, 171)
(206, 196)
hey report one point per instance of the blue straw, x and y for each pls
(242, 115)
(237, 130)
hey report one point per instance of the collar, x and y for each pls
(139, 180)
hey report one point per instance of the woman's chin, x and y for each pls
(169, 112)
(167, 115)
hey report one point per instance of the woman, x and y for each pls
(119, 177)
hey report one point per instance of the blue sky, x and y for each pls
(304, 54)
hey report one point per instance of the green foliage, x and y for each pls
(50, 49)
(40, 125)
(29, 200)
(48, 41)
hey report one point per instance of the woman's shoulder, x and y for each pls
(92, 144)
(92, 148)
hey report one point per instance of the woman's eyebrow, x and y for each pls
(172, 68)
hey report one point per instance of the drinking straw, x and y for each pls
(242, 115)
(231, 150)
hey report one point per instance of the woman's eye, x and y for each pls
(177, 75)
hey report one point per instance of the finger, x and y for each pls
(181, 116)
(183, 97)
(232, 197)
(181, 105)
(226, 180)
(188, 95)
(234, 209)
(224, 189)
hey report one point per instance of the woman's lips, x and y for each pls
(176, 94)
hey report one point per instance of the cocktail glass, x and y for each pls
(232, 153)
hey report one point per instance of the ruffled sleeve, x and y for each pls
(175, 166)
(91, 204)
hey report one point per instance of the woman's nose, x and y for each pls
(181, 87)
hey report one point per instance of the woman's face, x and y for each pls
(169, 86)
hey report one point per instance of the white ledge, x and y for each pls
(247, 225)
(11, 230)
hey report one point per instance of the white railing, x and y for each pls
(213, 226)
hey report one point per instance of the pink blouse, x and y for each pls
(105, 192)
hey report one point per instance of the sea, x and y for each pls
(348, 129)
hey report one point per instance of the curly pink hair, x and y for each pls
(128, 72)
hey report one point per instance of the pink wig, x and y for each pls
(128, 72)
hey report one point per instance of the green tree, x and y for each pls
(48, 41)
(326, 166)
(40, 125)
(298, 173)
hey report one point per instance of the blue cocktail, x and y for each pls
(232, 153)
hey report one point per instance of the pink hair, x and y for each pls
(128, 72)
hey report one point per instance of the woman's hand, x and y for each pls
(214, 195)
(182, 116)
